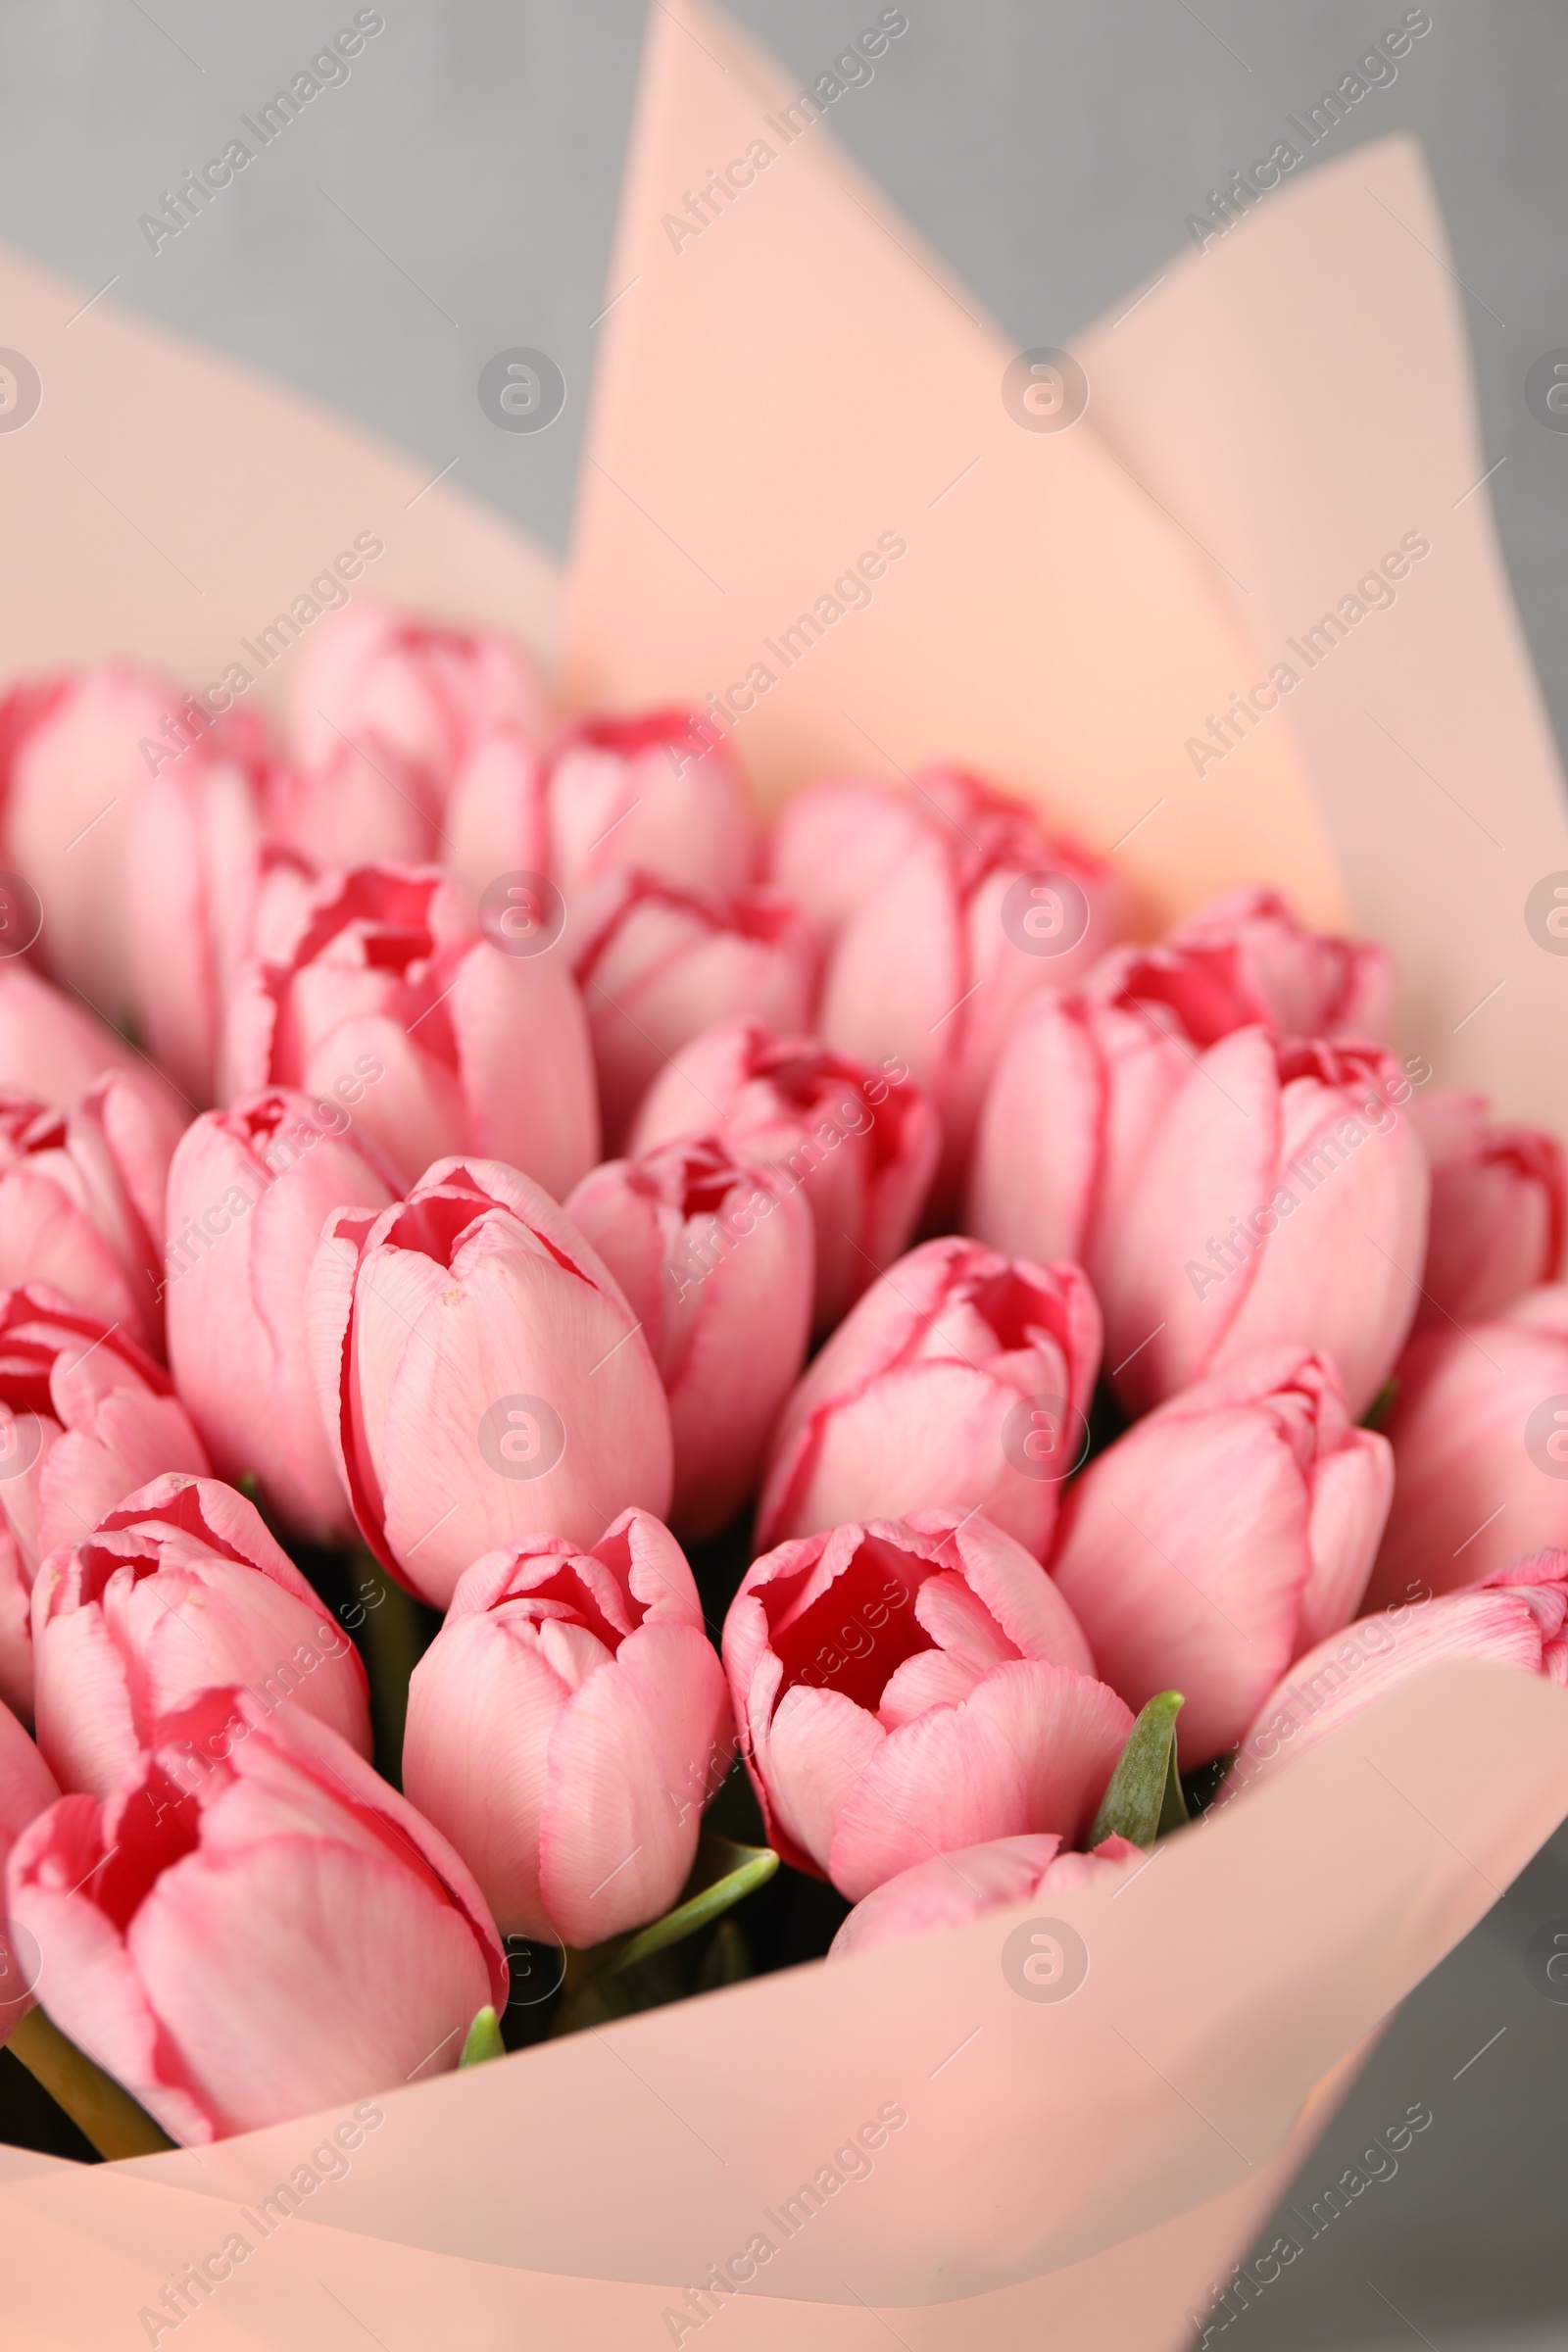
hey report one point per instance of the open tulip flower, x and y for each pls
(904, 1688)
(568, 1726)
(177, 1589)
(862, 1142)
(716, 1255)
(1225, 1533)
(961, 1382)
(388, 983)
(252, 1924)
(481, 1375)
(1303, 983)
(86, 1417)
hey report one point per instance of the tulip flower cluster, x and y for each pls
(814, 1341)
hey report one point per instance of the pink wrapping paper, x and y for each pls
(1070, 607)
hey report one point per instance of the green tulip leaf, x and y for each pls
(484, 2040)
(1144, 1800)
(722, 1876)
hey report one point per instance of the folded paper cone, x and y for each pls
(1071, 610)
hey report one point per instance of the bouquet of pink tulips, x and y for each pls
(1005, 1389)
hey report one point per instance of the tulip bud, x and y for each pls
(77, 751)
(568, 1726)
(832, 844)
(961, 1382)
(178, 1589)
(86, 1417)
(1498, 1200)
(973, 917)
(1282, 1198)
(862, 1144)
(481, 1375)
(81, 1199)
(1514, 1617)
(717, 1259)
(253, 1925)
(364, 802)
(427, 692)
(908, 1689)
(659, 964)
(1479, 1427)
(658, 792)
(387, 986)
(53, 1048)
(189, 856)
(1301, 983)
(1224, 1534)
(949, 1890)
(496, 827)
(249, 1192)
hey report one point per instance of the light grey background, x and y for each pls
(456, 196)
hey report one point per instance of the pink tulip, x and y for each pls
(496, 824)
(949, 1890)
(1303, 983)
(1517, 1616)
(190, 851)
(659, 964)
(862, 1142)
(178, 1589)
(908, 1689)
(961, 1382)
(27, 1789)
(1499, 1195)
(657, 794)
(77, 751)
(253, 1925)
(389, 983)
(249, 1192)
(1223, 1534)
(832, 846)
(86, 1417)
(81, 1199)
(716, 1258)
(429, 692)
(970, 920)
(362, 802)
(1281, 1198)
(567, 1727)
(1479, 1427)
(482, 1378)
(52, 1047)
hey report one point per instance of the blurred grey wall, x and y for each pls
(456, 196)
